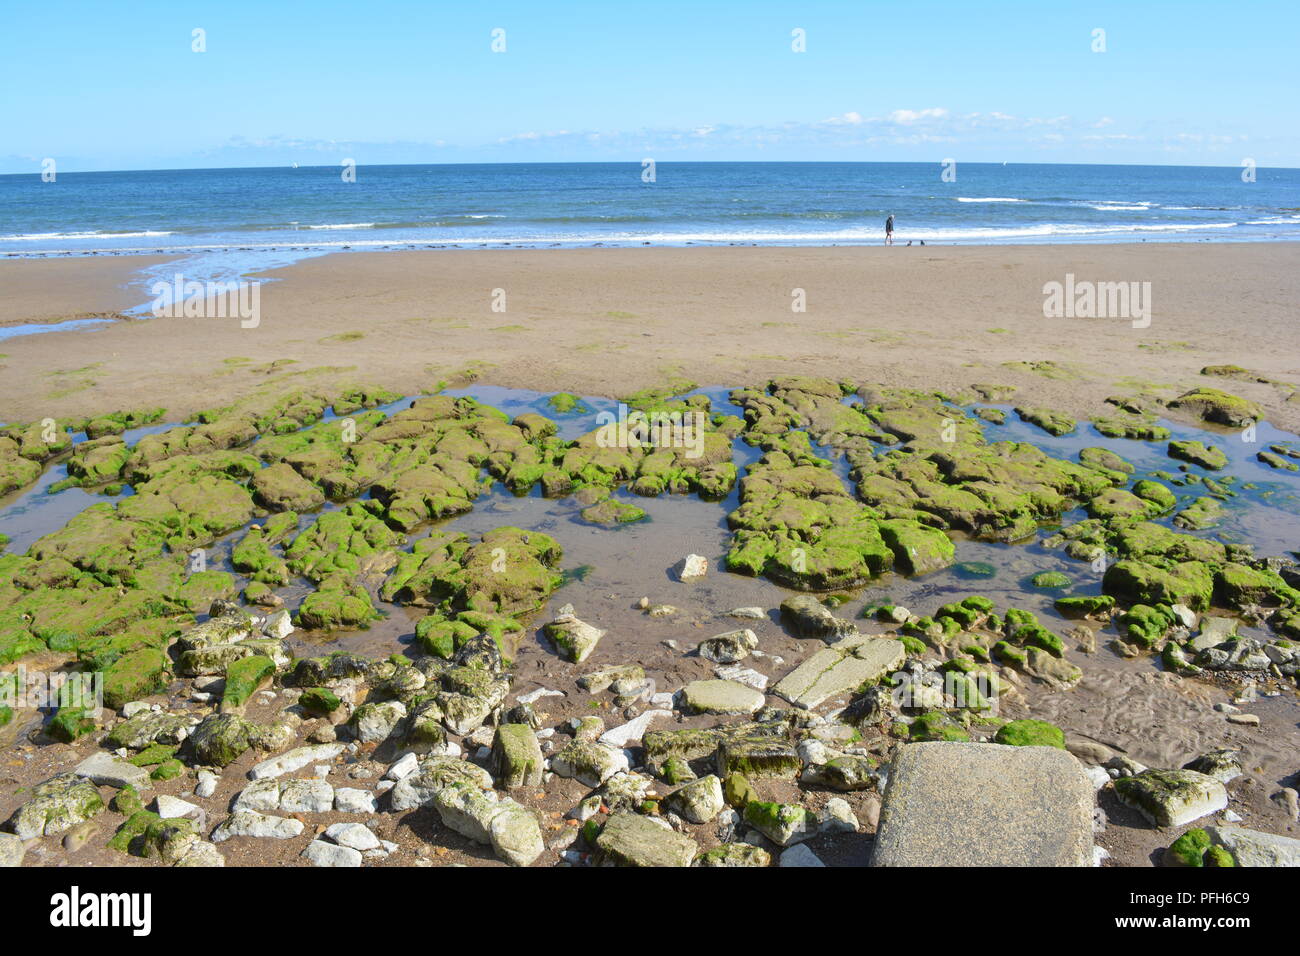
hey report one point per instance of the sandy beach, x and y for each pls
(608, 321)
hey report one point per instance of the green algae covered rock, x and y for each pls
(1030, 733)
(136, 675)
(1198, 453)
(336, 608)
(244, 677)
(1138, 582)
(1219, 407)
(1054, 423)
(1145, 625)
(1050, 580)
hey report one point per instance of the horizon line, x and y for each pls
(633, 162)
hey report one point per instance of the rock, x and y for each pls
(435, 773)
(743, 675)
(838, 817)
(1253, 848)
(729, 647)
(698, 801)
(621, 736)
(1214, 631)
(839, 668)
(517, 757)
(629, 839)
(279, 625)
(329, 854)
(12, 850)
(295, 759)
(207, 784)
(805, 616)
(692, 567)
(250, 823)
(510, 828)
(354, 835)
(376, 722)
(407, 765)
(151, 727)
(589, 762)
(173, 808)
(351, 800)
(799, 855)
(735, 854)
(574, 639)
(56, 805)
(105, 770)
(963, 804)
(621, 674)
(307, 796)
(845, 773)
(1222, 765)
(262, 796)
(721, 697)
(781, 823)
(1172, 798)
(220, 739)
(758, 758)
(1289, 801)
(748, 613)
(515, 834)
(1245, 720)
(201, 853)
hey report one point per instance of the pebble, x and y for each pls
(1245, 720)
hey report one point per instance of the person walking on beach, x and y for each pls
(889, 230)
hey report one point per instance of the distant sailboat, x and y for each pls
(295, 165)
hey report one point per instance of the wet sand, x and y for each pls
(607, 321)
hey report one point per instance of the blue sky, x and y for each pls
(115, 85)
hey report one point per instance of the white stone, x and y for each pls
(624, 734)
(261, 795)
(800, 855)
(293, 760)
(352, 800)
(250, 823)
(403, 768)
(171, 808)
(354, 835)
(692, 567)
(535, 695)
(306, 796)
(207, 785)
(1253, 848)
(330, 854)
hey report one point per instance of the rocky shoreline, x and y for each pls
(895, 737)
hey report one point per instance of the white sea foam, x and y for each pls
(989, 199)
(42, 236)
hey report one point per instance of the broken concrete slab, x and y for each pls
(960, 804)
(839, 668)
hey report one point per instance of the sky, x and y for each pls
(119, 85)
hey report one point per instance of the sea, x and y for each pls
(228, 223)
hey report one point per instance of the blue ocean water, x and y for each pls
(609, 203)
